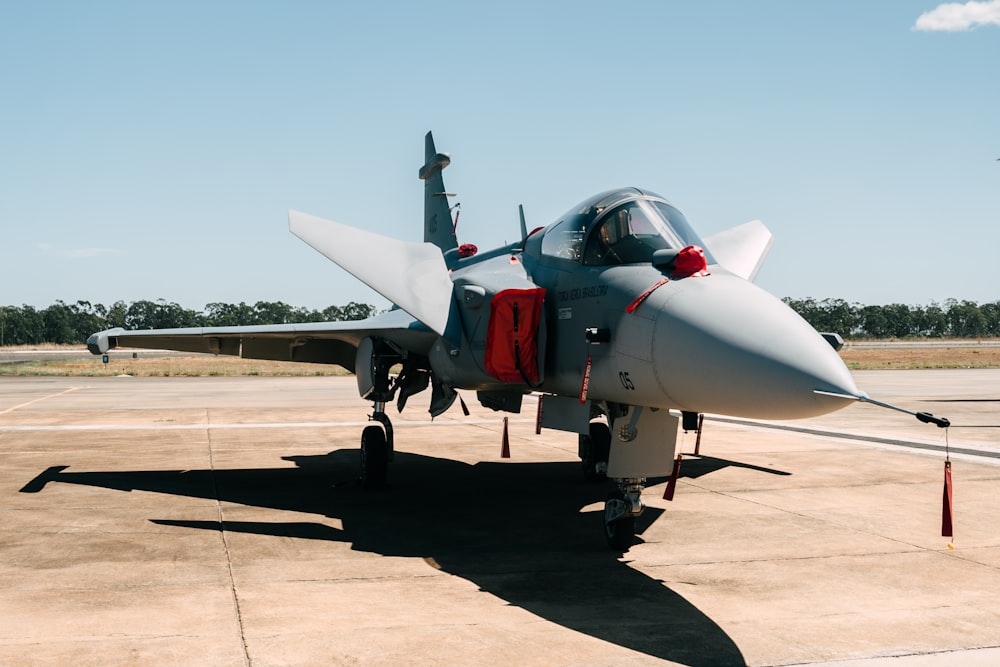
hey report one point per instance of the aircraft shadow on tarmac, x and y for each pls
(514, 529)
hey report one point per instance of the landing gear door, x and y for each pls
(364, 367)
(643, 444)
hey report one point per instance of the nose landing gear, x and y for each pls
(622, 508)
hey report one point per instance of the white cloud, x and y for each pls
(956, 16)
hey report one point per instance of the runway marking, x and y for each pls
(250, 425)
(910, 444)
(38, 400)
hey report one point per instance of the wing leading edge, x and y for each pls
(316, 342)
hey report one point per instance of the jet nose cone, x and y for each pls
(723, 345)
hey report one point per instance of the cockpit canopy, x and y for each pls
(623, 226)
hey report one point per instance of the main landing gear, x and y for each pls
(376, 450)
(375, 359)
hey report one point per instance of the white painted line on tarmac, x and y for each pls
(962, 450)
(38, 400)
(249, 425)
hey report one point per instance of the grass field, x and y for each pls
(985, 356)
(122, 363)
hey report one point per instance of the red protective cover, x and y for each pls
(690, 261)
(515, 316)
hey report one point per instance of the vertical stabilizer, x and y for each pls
(438, 227)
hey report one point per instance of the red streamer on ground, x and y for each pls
(505, 445)
(668, 494)
(538, 416)
(697, 440)
(947, 511)
(586, 381)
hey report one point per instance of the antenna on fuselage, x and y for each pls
(524, 226)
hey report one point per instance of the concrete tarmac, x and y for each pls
(217, 521)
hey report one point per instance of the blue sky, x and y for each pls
(152, 150)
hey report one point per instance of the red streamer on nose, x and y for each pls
(586, 381)
(642, 297)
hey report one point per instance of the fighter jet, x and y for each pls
(626, 324)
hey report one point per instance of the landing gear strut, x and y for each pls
(594, 450)
(623, 506)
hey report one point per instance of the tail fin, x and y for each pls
(438, 228)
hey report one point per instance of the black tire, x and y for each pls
(374, 458)
(595, 449)
(619, 534)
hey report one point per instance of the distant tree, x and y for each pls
(160, 315)
(991, 313)
(332, 314)
(272, 312)
(899, 320)
(357, 311)
(965, 320)
(57, 324)
(228, 315)
(32, 326)
(874, 323)
(838, 316)
(930, 321)
(21, 325)
(87, 318)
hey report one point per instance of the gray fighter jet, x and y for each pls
(626, 323)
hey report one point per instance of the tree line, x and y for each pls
(952, 319)
(72, 323)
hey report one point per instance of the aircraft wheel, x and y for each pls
(374, 457)
(619, 533)
(594, 450)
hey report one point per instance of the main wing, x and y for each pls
(741, 249)
(411, 275)
(317, 342)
